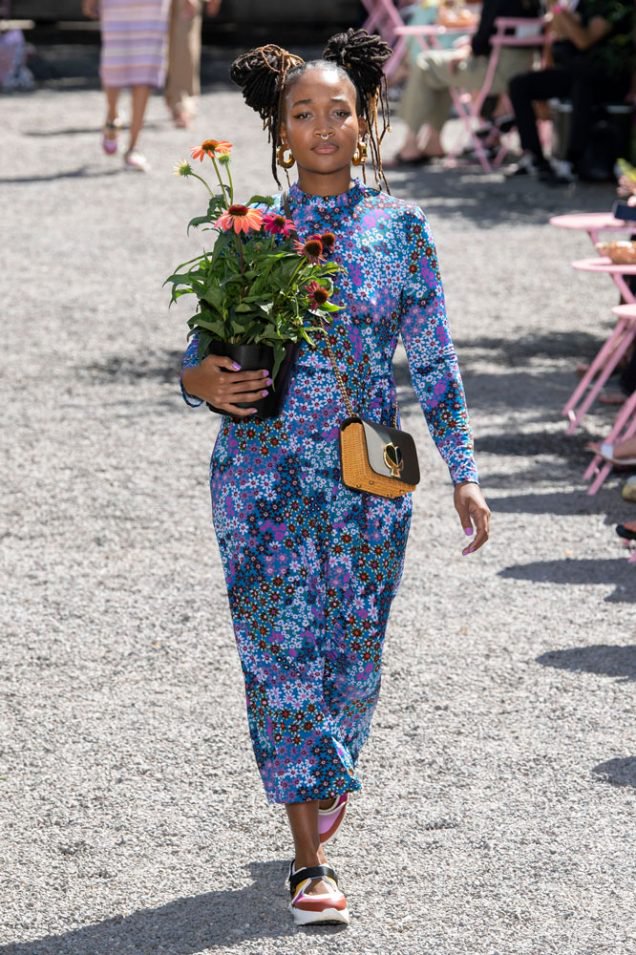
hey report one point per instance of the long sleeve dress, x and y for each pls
(312, 567)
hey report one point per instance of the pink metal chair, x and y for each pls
(529, 33)
(624, 427)
(385, 18)
(602, 366)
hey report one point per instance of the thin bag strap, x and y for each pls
(346, 397)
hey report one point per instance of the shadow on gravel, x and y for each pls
(83, 172)
(216, 920)
(77, 130)
(604, 659)
(544, 345)
(581, 571)
(530, 444)
(162, 366)
(466, 193)
(619, 772)
(552, 502)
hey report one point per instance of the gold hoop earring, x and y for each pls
(280, 157)
(360, 155)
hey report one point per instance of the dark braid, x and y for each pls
(362, 56)
(262, 75)
(266, 73)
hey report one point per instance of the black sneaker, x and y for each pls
(557, 173)
(526, 165)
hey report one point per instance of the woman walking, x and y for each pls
(134, 43)
(311, 566)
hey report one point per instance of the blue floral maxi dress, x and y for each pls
(312, 567)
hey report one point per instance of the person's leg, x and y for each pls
(182, 83)
(139, 95)
(589, 89)
(112, 101)
(523, 90)
(426, 100)
(303, 822)
(112, 116)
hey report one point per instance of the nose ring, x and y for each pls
(325, 135)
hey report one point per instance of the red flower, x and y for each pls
(328, 239)
(312, 249)
(240, 218)
(277, 224)
(211, 147)
(317, 294)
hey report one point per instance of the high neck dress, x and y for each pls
(312, 567)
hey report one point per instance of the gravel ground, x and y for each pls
(498, 806)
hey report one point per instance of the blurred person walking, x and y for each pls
(184, 57)
(134, 42)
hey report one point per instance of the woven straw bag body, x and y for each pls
(357, 458)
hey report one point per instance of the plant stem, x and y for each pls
(201, 179)
(230, 183)
(221, 183)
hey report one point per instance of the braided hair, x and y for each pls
(267, 73)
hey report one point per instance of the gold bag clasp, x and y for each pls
(393, 459)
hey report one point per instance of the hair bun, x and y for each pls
(260, 73)
(362, 55)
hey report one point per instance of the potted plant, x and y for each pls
(260, 292)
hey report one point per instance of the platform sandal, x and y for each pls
(109, 137)
(326, 908)
(136, 161)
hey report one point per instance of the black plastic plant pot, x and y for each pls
(254, 358)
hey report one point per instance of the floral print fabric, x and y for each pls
(312, 567)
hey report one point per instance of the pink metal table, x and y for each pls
(591, 222)
(613, 349)
(615, 272)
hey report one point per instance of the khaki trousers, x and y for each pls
(184, 60)
(427, 100)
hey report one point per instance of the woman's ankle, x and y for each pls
(307, 859)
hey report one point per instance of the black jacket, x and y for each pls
(492, 9)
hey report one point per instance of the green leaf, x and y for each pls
(214, 296)
(197, 221)
(260, 200)
(216, 327)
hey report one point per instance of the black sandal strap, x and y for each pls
(311, 872)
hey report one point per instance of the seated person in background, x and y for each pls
(623, 454)
(427, 101)
(593, 62)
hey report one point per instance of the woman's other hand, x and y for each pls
(220, 382)
(474, 515)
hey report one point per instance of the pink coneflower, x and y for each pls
(318, 295)
(328, 240)
(312, 249)
(211, 147)
(277, 224)
(241, 219)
